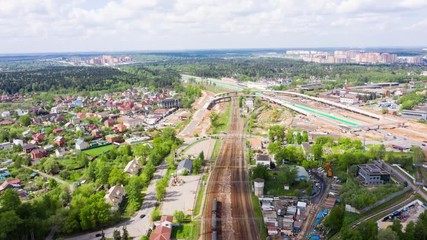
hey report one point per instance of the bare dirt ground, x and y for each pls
(198, 122)
(205, 146)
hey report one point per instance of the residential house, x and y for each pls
(263, 159)
(255, 144)
(4, 173)
(6, 146)
(81, 144)
(109, 123)
(57, 131)
(81, 115)
(113, 138)
(20, 112)
(39, 137)
(59, 141)
(28, 148)
(13, 183)
(164, 230)
(60, 152)
(115, 196)
(75, 120)
(133, 166)
(56, 109)
(185, 166)
(97, 133)
(38, 153)
(27, 133)
(5, 114)
(49, 147)
(18, 142)
(119, 128)
(6, 122)
(306, 148)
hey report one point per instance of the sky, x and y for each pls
(28, 26)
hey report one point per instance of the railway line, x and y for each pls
(228, 211)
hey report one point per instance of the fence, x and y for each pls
(386, 199)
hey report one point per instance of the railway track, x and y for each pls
(229, 184)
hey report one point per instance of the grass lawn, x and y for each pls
(275, 185)
(94, 152)
(184, 231)
(70, 163)
(200, 196)
(223, 121)
(259, 217)
(217, 148)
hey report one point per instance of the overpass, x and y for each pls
(334, 104)
(224, 97)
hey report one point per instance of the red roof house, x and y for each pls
(164, 230)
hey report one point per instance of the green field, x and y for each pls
(94, 152)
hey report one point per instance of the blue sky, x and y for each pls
(97, 25)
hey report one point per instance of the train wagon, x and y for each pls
(214, 235)
(214, 222)
(214, 206)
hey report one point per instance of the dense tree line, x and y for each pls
(251, 69)
(79, 79)
(335, 223)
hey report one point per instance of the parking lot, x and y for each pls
(181, 197)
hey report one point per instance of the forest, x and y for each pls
(252, 69)
(77, 79)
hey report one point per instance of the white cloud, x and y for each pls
(61, 25)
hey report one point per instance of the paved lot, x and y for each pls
(206, 147)
(181, 198)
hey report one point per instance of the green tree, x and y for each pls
(290, 137)
(260, 171)
(350, 234)
(276, 133)
(155, 214)
(9, 223)
(409, 233)
(25, 120)
(335, 219)
(51, 166)
(387, 234)
(197, 165)
(179, 216)
(289, 174)
(368, 230)
(298, 138)
(397, 228)
(305, 136)
(116, 177)
(133, 192)
(317, 151)
(9, 200)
